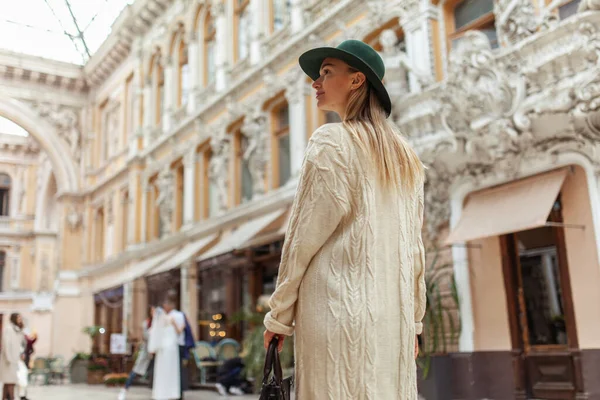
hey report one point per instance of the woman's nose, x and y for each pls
(317, 84)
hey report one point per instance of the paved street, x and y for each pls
(100, 392)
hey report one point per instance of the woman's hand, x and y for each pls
(268, 335)
(416, 346)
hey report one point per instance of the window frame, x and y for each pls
(209, 37)
(182, 61)
(482, 22)
(276, 133)
(240, 7)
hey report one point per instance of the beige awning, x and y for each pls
(513, 207)
(245, 232)
(184, 253)
(277, 232)
(142, 267)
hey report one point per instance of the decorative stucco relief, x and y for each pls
(257, 153)
(220, 144)
(66, 120)
(165, 200)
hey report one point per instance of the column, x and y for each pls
(134, 194)
(297, 16)
(185, 296)
(15, 268)
(295, 93)
(145, 192)
(257, 13)
(221, 38)
(189, 186)
(417, 37)
(460, 262)
(127, 308)
(149, 111)
(194, 63)
(169, 98)
(138, 92)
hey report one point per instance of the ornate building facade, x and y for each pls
(169, 161)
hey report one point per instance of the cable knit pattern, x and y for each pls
(351, 281)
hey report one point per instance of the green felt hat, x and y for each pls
(358, 55)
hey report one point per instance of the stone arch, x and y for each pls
(62, 163)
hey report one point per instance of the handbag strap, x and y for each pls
(272, 363)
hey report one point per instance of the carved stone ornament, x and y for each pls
(219, 165)
(73, 218)
(589, 5)
(164, 201)
(65, 120)
(516, 20)
(256, 153)
(480, 97)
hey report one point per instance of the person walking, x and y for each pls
(351, 281)
(143, 360)
(163, 343)
(11, 353)
(178, 320)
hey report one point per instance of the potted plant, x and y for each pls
(253, 347)
(78, 368)
(115, 380)
(97, 369)
(441, 329)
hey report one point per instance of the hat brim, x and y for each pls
(311, 61)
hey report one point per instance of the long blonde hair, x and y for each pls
(396, 161)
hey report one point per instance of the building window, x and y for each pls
(99, 240)
(5, 183)
(158, 80)
(129, 106)
(280, 10)
(470, 15)
(242, 13)
(2, 269)
(125, 221)
(209, 49)
(179, 197)
(568, 9)
(183, 75)
(281, 144)
(243, 178)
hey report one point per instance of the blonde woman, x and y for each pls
(351, 280)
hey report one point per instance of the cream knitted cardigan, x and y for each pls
(351, 280)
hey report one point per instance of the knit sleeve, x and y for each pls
(319, 206)
(419, 266)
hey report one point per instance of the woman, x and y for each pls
(351, 281)
(142, 362)
(162, 342)
(11, 354)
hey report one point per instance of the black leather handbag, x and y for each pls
(276, 388)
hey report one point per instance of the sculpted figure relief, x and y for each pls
(164, 201)
(66, 121)
(255, 130)
(220, 144)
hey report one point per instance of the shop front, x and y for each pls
(235, 273)
(532, 272)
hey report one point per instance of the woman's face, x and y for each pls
(335, 84)
(19, 320)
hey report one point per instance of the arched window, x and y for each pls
(242, 13)
(243, 179)
(183, 75)
(157, 76)
(5, 183)
(280, 125)
(210, 41)
(280, 10)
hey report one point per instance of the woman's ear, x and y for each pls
(358, 80)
